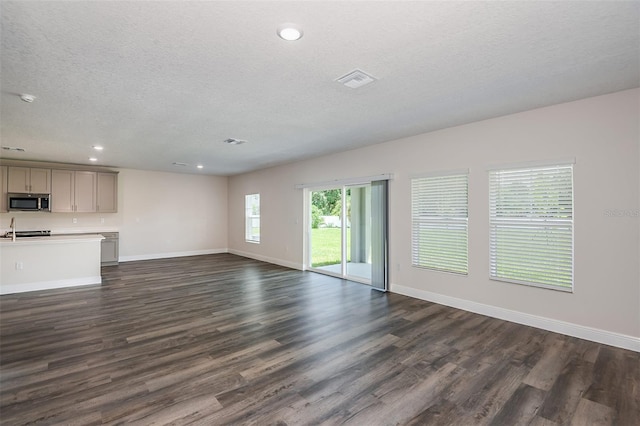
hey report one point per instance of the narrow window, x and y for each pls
(252, 218)
(440, 222)
(531, 226)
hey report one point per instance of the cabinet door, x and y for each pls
(85, 192)
(107, 193)
(62, 191)
(109, 252)
(3, 188)
(40, 182)
(18, 179)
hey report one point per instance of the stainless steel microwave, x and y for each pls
(29, 202)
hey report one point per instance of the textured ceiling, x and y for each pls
(158, 82)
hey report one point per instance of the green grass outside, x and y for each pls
(325, 246)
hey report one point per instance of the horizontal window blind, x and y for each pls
(440, 223)
(531, 225)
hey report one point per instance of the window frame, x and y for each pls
(250, 218)
(428, 197)
(549, 224)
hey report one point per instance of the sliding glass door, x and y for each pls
(348, 232)
(326, 237)
(358, 247)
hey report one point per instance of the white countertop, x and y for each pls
(67, 231)
(53, 239)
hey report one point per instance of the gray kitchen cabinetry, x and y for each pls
(107, 193)
(109, 249)
(84, 191)
(73, 191)
(62, 191)
(3, 188)
(29, 180)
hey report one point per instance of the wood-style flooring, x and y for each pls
(221, 339)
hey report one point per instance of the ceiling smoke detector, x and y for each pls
(355, 79)
(232, 141)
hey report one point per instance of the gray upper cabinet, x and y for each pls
(84, 191)
(73, 191)
(3, 188)
(62, 191)
(29, 180)
(107, 193)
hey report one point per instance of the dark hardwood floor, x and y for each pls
(222, 339)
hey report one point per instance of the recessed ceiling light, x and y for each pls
(27, 98)
(200, 166)
(98, 147)
(289, 32)
(93, 159)
(232, 141)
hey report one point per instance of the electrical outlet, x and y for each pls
(19, 266)
(75, 220)
(102, 220)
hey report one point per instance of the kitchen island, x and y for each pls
(44, 263)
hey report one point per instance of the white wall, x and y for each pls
(171, 213)
(159, 215)
(601, 133)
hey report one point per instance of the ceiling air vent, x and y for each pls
(232, 141)
(12, 148)
(177, 163)
(355, 79)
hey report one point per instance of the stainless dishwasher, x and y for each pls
(109, 249)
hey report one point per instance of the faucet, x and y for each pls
(13, 228)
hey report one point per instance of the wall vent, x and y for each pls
(355, 79)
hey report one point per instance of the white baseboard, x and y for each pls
(49, 285)
(562, 327)
(273, 260)
(152, 256)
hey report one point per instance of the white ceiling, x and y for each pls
(158, 82)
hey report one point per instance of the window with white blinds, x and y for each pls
(531, 226)
(439, 215)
